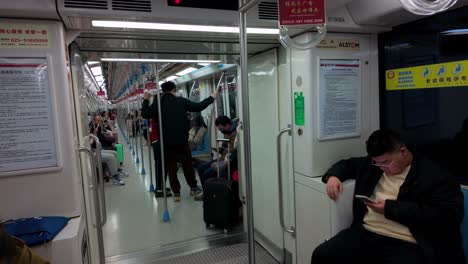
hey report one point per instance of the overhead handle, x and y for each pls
(288, 42)
(427, 7)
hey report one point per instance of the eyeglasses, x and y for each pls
(384, 164)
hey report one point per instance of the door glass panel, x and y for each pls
(264, 120)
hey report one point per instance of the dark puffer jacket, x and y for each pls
(174, 116)
(430, 204)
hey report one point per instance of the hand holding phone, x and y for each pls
(364, 199)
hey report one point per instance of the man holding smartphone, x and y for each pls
(414, 214)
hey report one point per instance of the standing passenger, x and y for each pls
(175, 133)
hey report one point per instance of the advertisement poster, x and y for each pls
(450, 74)
(26, 123)
(339, 99)
(22, 35)
(301, 12)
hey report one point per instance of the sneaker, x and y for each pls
(176, 197)
(198, 197)
(117, 181)
(122, 174)
(195, 191)
(160, 193)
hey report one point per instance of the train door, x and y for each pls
(270, 120)
(85, 105)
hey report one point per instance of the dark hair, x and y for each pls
(168, 87)
(222, 120)
(199, 122)
(383, 141)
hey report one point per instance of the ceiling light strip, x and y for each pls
(160, 60)
(180, 27)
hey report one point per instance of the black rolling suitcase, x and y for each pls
(221, 202)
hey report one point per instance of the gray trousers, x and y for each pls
(110, 157)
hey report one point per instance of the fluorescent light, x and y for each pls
(188, 70)
(455, 32)
(170, 78)
(203, 64)
(93, 62)
(159, 60)
(96, 71)
(180, 27)
(263, 31)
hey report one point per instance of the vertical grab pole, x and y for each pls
(191, 89)
(129, 115)
(133, 128)
(97, 209)
(166, 216)
(125, 116)
(227, 107)
(143, 172)
(101, 191)
(245, 6)
(150, 161)
(135, 106)
(217, 114)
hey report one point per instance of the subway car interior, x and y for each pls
(268, 107)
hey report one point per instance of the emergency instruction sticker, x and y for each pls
(339, 99)
(22, 35)
(299, 112)
(26, 122)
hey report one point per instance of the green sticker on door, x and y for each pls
(299, 118)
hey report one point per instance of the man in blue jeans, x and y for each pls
(209, 169)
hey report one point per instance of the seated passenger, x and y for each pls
(109, 157)
(197, 132)
(209, 169)
(105, 136)
(14, 250)
(415, 214)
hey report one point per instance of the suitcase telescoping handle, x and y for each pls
(228, 160)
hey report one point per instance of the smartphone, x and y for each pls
(364, 198)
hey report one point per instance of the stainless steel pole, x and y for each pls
(93, 187)
(166, 216)
(102, 195)
(246, 126)
(150, 159)
(129, 115)
(142, 156)
(137, 128)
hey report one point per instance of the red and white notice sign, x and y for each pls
(22, 35)
(301, 12)
(150, 85)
